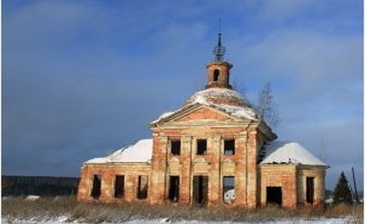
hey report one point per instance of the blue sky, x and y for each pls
(83, 78)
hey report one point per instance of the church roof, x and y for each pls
(218, 96)
(226, 100)
(140, 152)
(289, 152)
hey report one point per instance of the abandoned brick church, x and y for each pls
(214, 150)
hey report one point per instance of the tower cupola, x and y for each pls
(218, 70)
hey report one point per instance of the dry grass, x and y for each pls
(20, 208)
(356, 212)
(51, 209)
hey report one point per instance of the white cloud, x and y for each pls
(282, 9)
(314, 62)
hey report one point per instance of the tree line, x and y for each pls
(43, 186)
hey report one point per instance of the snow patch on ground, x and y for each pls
(32, 197)
(63, 220)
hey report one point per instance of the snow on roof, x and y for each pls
(164, 115)
(141, 152)
(289, 152)
(240, 112)
(227, 100)
(218, 92)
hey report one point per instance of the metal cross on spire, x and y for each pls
(219, 50)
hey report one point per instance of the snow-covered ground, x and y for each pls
(63, 220)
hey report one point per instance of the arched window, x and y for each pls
(216, 75)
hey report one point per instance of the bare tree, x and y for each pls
(267, 107)
(240, 87)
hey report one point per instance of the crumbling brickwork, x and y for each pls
(208, 153)
(292, 180)
(213, 164)
(318, 174)
(107, 174)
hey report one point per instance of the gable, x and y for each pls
(204, 113)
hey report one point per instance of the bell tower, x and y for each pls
(218, 70)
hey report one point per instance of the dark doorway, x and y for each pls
(96, 190)
(310, 189)
(274, 195)
(142, 187)
(200, 190)
(119, 186)
(174, 188)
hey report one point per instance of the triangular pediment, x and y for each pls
(199, 113)
(204, 113)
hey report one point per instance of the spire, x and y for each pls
(219, 50)
(218, 70)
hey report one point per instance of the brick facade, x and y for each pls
(204, 153)
(213, 164)
(108, 174)
(292, 179)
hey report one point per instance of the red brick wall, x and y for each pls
(215, 165)
(280, 175)
(108, 173)
(203, 113)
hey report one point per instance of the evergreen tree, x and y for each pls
(342, 192)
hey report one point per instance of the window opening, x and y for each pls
(200, 190)
(201, 147)
(310, 189)
(96, 189)
(175, 147)
(216, 74)
(228, 190)
(229, 147)
(174, 188)
(119, 186)
(274, 195)
(142, 187)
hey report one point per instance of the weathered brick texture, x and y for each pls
(108, 174)
(199, 177)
